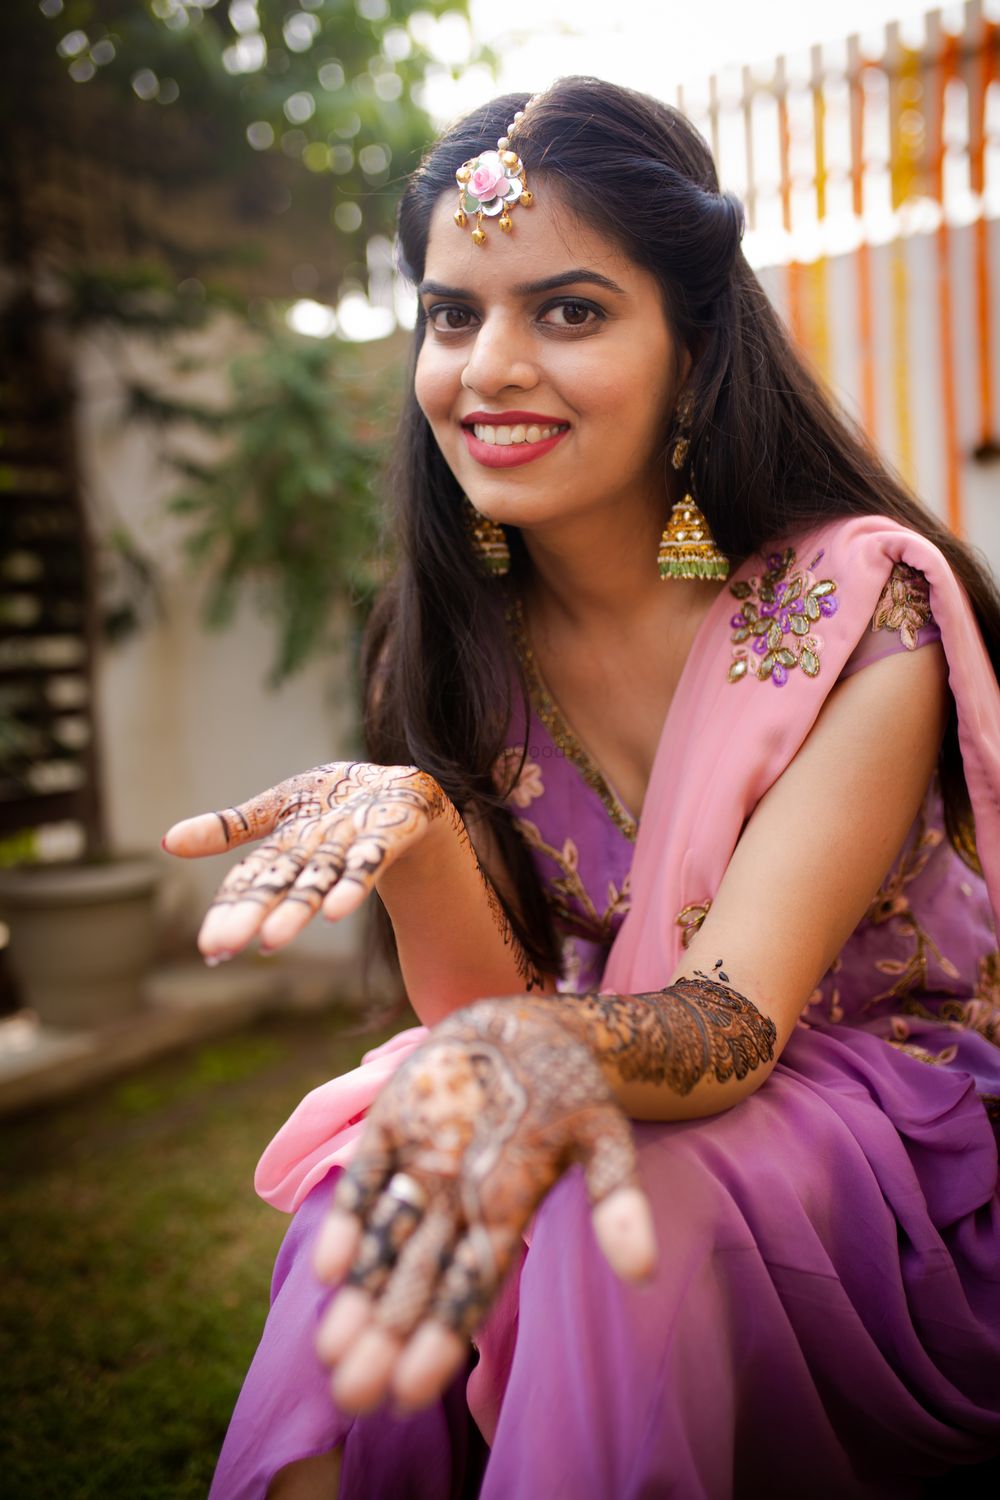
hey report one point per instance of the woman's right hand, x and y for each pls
(329, 834)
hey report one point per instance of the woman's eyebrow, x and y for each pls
(529, 288)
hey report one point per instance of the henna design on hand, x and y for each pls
(486, 1116)
(336, 822)
(504, 1096)
(390, 1225)
(343, 823)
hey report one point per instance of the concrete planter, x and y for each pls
(82, 937)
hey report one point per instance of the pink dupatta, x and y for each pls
(723, 744)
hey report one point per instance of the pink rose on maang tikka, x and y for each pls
(491, 185)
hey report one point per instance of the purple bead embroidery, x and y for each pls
(773, 631)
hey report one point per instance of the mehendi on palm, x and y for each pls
(501, 1100)
(343, 823)
(486, 1117)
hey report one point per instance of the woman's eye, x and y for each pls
(575, 313)
(444, 317)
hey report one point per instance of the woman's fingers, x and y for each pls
(407, 1293)
(464, 1294)
(205, 833)
(345, 1319)
(330, 832)
(473, 1276)
(623, 1221)
(431, 1359)
(262, 881)
(356, 1192)
(623, 1225)
(360, 1339)
(309, 793)
(319, 875)
(390, 1224)
(369, 1344)
(361, 1379)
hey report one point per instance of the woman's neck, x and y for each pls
(583, 584)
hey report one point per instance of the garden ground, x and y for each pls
(136, 1260)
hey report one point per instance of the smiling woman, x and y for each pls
(587, 353)
(694, 889)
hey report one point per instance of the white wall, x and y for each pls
(186, 723)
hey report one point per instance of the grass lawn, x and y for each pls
(136, 1260)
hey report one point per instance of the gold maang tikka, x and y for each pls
(491, 183)
(687, 546)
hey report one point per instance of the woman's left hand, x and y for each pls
(459, 1148)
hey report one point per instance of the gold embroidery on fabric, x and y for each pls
(980, 1013)
(562, 735)
(913, 1049)
(528, 785)
(967, 848)
(776, 615)
(690, 918)
(593, 925)
(904, 604)
(891, 902)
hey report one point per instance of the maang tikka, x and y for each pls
(492, 182)
(687, 546)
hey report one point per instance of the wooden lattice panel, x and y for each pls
(47, 752)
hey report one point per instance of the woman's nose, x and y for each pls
(499, 357)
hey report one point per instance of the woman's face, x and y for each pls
(548, 326)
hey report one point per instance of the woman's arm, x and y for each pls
(453, 936)
(803, 874)
(472, 1131)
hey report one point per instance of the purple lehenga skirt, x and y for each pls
(824, 1318)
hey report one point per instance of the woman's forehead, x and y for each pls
(547, 239)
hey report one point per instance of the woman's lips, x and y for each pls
(505, 456)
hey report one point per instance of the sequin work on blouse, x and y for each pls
(582, 848)
(777, 616)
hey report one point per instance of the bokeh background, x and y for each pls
(203, 342)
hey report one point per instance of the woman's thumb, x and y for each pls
(623, 1220)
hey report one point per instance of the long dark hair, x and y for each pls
(770, 451)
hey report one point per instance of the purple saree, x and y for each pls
(825, 1316)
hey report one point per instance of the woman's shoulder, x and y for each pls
(851, 588)
(890, 574)
(863, 547)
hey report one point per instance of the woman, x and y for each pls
(632, 826)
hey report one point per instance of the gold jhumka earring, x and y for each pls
(489, 540)
(687, 546)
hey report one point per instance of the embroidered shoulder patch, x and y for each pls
(774, 629)
(904, 604)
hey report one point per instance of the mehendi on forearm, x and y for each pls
(533, 977)
(696, 1028)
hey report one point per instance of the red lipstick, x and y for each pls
(511, 418)
(509, 455)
